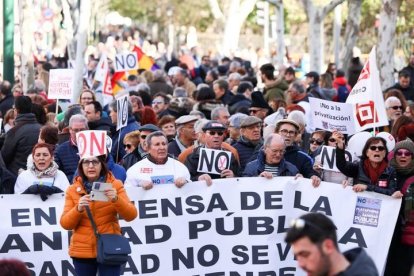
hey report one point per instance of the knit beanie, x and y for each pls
(407, 144)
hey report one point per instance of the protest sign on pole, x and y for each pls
(331, 116)
(126, 62)
(102, 76)
(213, 161)
(122, 111)
(366, 97)
(60, 84)
(91, 143)
(233, 226)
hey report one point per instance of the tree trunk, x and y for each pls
(386, 41)
(82, 38)
(280, 31)
(27, 73)
(315, 16)
(351, 33)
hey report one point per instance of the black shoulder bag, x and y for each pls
(112, 249)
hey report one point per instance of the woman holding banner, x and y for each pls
(372, 172)
(113, 201)
(43, 176)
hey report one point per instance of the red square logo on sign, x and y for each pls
(365, 113)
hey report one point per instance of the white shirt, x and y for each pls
(145, 170)
(27, 179)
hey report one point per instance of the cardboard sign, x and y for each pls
(91, 143)
(122, 114)
(328, 158)
(213, 161)
(126, 62)
(61, 84)
(331, 116)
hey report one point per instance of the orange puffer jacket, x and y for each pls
(83, 240)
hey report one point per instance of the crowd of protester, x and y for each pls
(262, 117)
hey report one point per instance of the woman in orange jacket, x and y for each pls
(82, 247)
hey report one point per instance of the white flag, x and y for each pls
(101, 69)
(367, 98)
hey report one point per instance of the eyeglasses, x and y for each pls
(86, 98)
(287, 132)
(87, 163)
(254, 111)
(128, 146)
(379, 148)
(404, 153)
(315, 141)
(219, 133)
(396, 107)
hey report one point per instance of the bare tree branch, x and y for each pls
(308, 7)
(328, 8)
(215, 9)
(246, 8)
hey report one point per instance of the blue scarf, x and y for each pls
(88, 185)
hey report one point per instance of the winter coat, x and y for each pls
(361, 264)
(246, 150)
(67, 158)
(6, 103)
(105, 214)
(104, 123)
(256, 167)
(343, 89)
(239, 101)
(301, 160)
(19, 142)
(275, 90)
(119, 137)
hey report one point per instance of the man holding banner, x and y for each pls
(211, 161)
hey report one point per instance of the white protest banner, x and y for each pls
(102, 75)
(213, 161)
(126, 62)
(328, 158)
(366, 97)
(60, 84)
(91, 143)
(233, 226)
(331, 116)
(122, 111)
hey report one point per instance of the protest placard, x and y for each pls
(126, 62)
(122, 111)
(331, 116)
(213, 161)
(200, 229)
(328, 158)
(91, 143)
(60, 84)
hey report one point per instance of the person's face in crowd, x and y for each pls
(223, 117)
(187, 131)
(404, 81)
(394, 110)
(113, 115)
(332, 69)
(289, 77)
(42, 158)
(158, 148)
(179, 79)
(315, 141)
(407, 112)
(258, 112)
(169, 129)
(142, 137)
(376, 152)
(91, 114)
(218, 91)
(205, 61)
(213, 138)
(234, 133)
(86, 98)
(209, 77)
(17, 92)
(403, 157)
(311, 257)
(309, 80)
(129, 146)
(132, 82)
(135, 106)
(288, 133)
(332, 141)
(75, 128)
(159, 105)
(274, 152)
(91, 168)
(252, 132)
(233, 83)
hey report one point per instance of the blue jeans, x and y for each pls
(90, 268)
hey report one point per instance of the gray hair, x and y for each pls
(144, 87)
(215, 113)
(298, 117)
(79, 118)
(390, 100)
(180, 92)
(269, 139)
(154, 134)
(234, 76)
(298, 86)
(159, 75)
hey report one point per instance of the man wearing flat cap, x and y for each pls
(250, 140)
(139, 152)
(185, 135)
(213, 133)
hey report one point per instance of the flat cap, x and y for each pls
(185, 119)
(236, 119)
(287, 121)
(214, 125)
(249, 121)
(149, 127)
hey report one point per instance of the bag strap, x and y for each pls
(95, 229)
